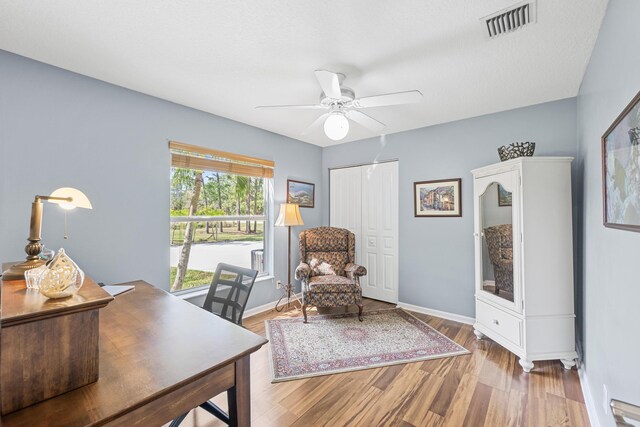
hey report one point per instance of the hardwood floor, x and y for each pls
(484, 388)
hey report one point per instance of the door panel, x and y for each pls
(364, 200)
(389, 280)
(345, 205)
(380, 230)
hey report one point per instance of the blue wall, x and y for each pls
(112, 143)
(436, 254)
(61, 129)
(609, 272)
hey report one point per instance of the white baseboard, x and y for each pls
(437, 313)
(266, 307)
(431, 312)
(588, 397)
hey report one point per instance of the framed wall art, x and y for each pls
(621, 170)
(301, 193)
(440, 198)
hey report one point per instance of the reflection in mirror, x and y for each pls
(497, 241)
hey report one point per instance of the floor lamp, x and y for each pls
(289, 216)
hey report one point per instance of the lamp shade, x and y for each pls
(78, 198)
(289, 215)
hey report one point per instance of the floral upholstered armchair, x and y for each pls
(500, 244)
(330, 277)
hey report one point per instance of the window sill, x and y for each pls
(189, 294)
(192, 293)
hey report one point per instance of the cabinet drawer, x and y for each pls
(506, 325)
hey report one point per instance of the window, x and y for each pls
(219, 210)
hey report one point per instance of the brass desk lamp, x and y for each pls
(67, 198)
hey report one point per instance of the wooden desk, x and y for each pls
(58, 336)
(159, 358)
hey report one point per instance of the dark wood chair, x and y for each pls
(227, 297)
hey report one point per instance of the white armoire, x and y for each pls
(524, 258)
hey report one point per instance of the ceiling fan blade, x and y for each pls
(329, 83)
(365, 120)
(397, 98)
(316, 124)
(292, 107)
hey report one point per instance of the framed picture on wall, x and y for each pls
(504, 196)
(440, 198)
(301, 193)
(621, 169)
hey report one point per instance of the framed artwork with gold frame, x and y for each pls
(438, 198)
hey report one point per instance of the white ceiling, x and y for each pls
(227, 56)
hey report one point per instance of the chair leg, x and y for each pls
(214, 410)
(176, 422)
(360, 312)
(304, 312)
(208, 406)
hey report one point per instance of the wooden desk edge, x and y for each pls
(212, 371)
(205, 379)
(53, 312)
(181, 386)
(26, 318)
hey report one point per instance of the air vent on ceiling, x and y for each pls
(511, 19)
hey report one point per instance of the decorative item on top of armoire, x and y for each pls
(437, 198)
(301, 193)
(621, 170)
(68, 198)
(528, 305)
(515, 150)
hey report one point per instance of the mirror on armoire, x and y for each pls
(497, 241)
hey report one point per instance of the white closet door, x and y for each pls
(345, 204)
(379, 241)
(364, 200)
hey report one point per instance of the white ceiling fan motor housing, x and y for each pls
(348, 95)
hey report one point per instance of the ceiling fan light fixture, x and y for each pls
(336, 126)
(340, 106)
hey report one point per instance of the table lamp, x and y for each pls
(67, 198)
(289, 216)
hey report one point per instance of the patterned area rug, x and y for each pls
(341, 343)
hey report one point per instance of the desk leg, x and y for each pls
(239, 396)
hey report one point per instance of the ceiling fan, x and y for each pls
(341, 105)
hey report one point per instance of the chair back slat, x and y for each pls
(229, 292)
